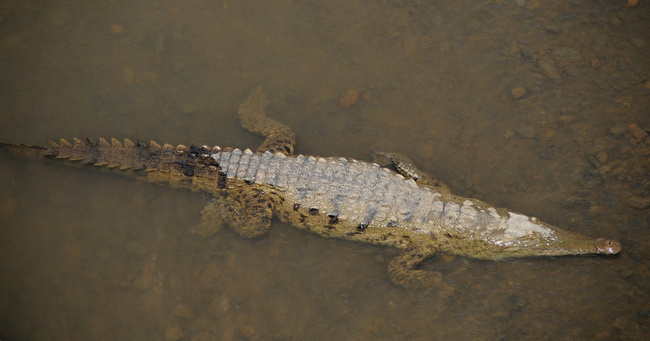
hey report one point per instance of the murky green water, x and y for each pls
(540, 106)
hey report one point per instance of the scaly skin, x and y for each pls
(334, 197)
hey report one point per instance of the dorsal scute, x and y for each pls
(154, 156)
(52, 148)
(104, 152)
(154, 145)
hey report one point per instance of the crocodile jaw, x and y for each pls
(555, 243)
(517, 235)
(566, 248)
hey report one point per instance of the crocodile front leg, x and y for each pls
(248, 212)
(402, 272)
(407, 168)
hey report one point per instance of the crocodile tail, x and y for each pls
(25, 151)
(179, 166)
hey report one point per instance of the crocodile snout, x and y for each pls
(607, 246)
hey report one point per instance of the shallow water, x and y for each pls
(91, 255)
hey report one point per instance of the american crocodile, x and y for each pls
(334, 197)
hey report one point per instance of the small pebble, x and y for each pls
(73, 249)
(638, 42)
(145, 281)
(647, 84)
(178, 67)
(617, 131)
(620, 323)
(549, 69)
(118, 29)
(599, 42)
(136, 248)
(594, 161)
(638, 133)
(566, 119)
(183, 311)
(602, 157)
(518, 92)
(220, 306)
(350, 99)
(553, 28)
(247, 331)
(576, 202)
(595, 210)
(596, 63)
(590, 179)
(527, 54)
(7, 208)
(567, 56)
(129, 74)
(174, 334)
(444, 46)
(640, 203)
(188, 108)
(533, 4)
(632, 3)
(571, 70)
(526, 131)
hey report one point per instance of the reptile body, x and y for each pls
(334, 197)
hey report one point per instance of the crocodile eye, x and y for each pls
(362, 227)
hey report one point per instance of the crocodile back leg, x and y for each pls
(252, 115)
(247, 211)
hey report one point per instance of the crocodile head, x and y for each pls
(523, 236)
(561, 243)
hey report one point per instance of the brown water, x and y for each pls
(93, 256)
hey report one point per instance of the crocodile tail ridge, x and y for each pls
(139, 155)
(114, 154)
